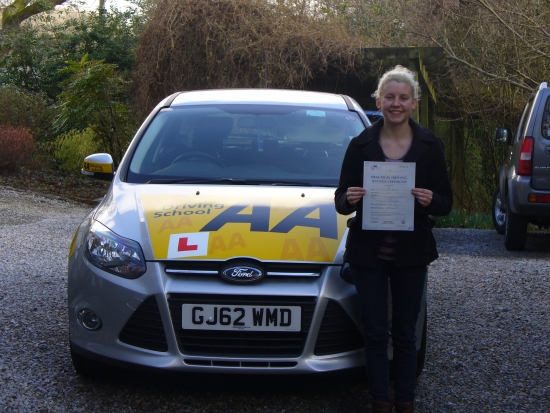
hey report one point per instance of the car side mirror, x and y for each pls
(99, 166)
(503, 135)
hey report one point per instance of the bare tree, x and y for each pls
(504, 41)
(498, 52)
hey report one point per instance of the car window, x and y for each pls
(545, 124)
(254, 143)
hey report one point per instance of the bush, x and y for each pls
(197, 44)
(21, 108)
(72, 147)
(94, 97)
(16, 147)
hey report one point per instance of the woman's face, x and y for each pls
(396, 102)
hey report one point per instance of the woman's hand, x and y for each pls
(424, 196)
(354, 194)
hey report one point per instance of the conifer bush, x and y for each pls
(72, 147)
(16, 147)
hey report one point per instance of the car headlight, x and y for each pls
(113, 253)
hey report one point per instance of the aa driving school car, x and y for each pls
(217, 247)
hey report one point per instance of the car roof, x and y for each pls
(260, 96)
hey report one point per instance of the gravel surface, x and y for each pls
(488, 333)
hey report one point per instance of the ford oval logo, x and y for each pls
(242, 274)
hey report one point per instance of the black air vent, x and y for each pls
(338, 332)
(144, 328)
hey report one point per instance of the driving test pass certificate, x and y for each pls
(388, 204)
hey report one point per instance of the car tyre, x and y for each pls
(498, 213)
(87, 367)
(421, 353)
(516, 231)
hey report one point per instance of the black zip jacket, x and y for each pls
(413, 247)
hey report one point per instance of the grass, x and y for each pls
(461, 219)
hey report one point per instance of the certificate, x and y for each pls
(388, 204)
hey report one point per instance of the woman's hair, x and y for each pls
(399, 74)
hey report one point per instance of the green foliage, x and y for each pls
(16, 147)
(25, 109)
(108, 36)
(72, 147)
(93, 97)
(31, 61)
(31, 56)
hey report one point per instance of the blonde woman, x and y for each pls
(400, 257)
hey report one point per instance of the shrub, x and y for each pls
(197, 44)
(21, 108)
(72, 147)
(16, 147)
(93, 97)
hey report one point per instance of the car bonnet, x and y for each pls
(219, 222)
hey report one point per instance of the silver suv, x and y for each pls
(523, 192)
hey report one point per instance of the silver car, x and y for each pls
(522, 195)
(217, 247)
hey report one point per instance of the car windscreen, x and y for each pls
(244, 144)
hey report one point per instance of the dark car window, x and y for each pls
(252, 143)
(545, 124)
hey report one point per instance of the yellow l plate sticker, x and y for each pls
(271, 229)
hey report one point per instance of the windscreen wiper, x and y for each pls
(197, 181)
(228, 181)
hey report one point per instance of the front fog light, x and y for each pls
(89, 319)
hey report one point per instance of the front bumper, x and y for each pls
(142, 322)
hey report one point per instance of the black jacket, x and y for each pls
(413, 247)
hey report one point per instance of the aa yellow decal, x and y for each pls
(278, 229)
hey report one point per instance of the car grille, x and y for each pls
(338, 332)
(211, 268)
(144, 328)
(241, 343)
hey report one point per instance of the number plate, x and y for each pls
(240, 317)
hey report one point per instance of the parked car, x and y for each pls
(523, 192)
(373, 115)
(217, 247)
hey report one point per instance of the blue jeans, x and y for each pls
(407, 288)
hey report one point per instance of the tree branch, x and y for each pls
(20, 10)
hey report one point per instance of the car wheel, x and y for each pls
(516, 231)
(87, 367)
(498, 213)
(421, 353)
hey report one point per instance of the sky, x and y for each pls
(93, 4)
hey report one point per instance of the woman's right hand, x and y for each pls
(354, 194)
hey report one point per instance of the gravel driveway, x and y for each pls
(488, 333)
